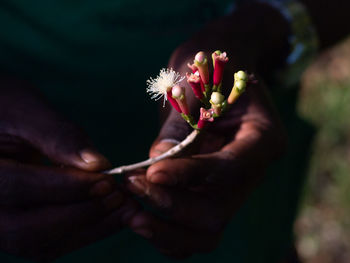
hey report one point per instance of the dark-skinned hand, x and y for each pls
(197, 193)
(47, 211)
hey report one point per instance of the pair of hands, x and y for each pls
(47, 211)
(199, 192)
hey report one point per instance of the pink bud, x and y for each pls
(206, 115)
(195, 83)
(173, 102)
(201, 63)
(200, 57)
(178, 93)
(219, 60)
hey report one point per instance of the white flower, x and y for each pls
(163, 83)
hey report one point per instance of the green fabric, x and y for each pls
(91, 58)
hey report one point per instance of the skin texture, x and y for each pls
(230, 158)
(49, 210)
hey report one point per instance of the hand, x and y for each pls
(200, 192)
(47, 211)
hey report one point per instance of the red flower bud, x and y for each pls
(201, 63)
(195, 82)
(178, 93)
(219, 61)
(201, 124)
(173, 102)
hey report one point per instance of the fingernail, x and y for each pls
(172, 142)
(163, 146)
(92, 160)
(144, 232)
(113, 201)
(101, 188)
(90, 156)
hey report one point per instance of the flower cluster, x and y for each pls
(167, 85)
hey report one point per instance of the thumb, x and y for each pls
(160, 146)
(27, 116)
(65, 143)
(174, 130)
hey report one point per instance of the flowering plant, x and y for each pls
(214, 104)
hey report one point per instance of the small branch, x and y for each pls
(190, 120)
(170, 153)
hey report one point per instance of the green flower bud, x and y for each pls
(240, 85)
(217, 98)
(241, 75)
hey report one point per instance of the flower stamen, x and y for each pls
(159, 87)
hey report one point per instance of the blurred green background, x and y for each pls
(323, 225)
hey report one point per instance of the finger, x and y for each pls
(35, 233)
(172, 239)
(12, 147)
(33, 185)
(253, 134)
(249, 146)
(161, 146)
(64, 143)
(32, 120)
(174, 130)
(184, 206)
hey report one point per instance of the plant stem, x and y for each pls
(170, 153)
